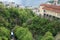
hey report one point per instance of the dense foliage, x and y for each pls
(31, 26)
(4, 33)
(9, 17)
(40, 26)
(48, 36)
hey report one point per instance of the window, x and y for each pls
(53, 16)
(44, 14)
(49, 15)
(44, 11)
(58, 18)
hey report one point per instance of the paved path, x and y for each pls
(13, 38)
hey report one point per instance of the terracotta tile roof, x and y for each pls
(51, 7)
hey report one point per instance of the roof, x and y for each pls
(51, 7)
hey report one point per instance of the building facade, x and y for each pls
(50, 10)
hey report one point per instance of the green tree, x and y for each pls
(4, 33)
(19, 16)
(53, 27)
(48, 36)
(0, 38)
(23, 33)
(4, 38)
(37, 25)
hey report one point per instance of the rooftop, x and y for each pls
(51, 7)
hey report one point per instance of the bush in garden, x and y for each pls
(48, 36)
(23, 33)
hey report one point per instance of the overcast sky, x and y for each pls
(27, 2)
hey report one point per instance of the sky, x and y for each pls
(28, 2)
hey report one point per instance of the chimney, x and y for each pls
(55, 2)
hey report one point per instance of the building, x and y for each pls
(36, 11)
(10, 4)
(50, 10)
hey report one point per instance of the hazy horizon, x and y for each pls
(27, 2)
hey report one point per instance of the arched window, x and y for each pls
(44, 11)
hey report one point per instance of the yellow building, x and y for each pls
(50, 10)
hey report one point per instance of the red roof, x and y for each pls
(51, 7)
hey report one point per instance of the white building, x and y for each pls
(50, 10)
(36, 11)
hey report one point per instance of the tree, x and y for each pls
(0, 38)
(3, 38)
(52, 1)
(37, 25)
(19, 16)
(23, 33)
(4, 33)
(48, 36)
(53, 27)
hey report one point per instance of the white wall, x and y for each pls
(41, 10)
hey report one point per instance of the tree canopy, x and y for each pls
(23, 33)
